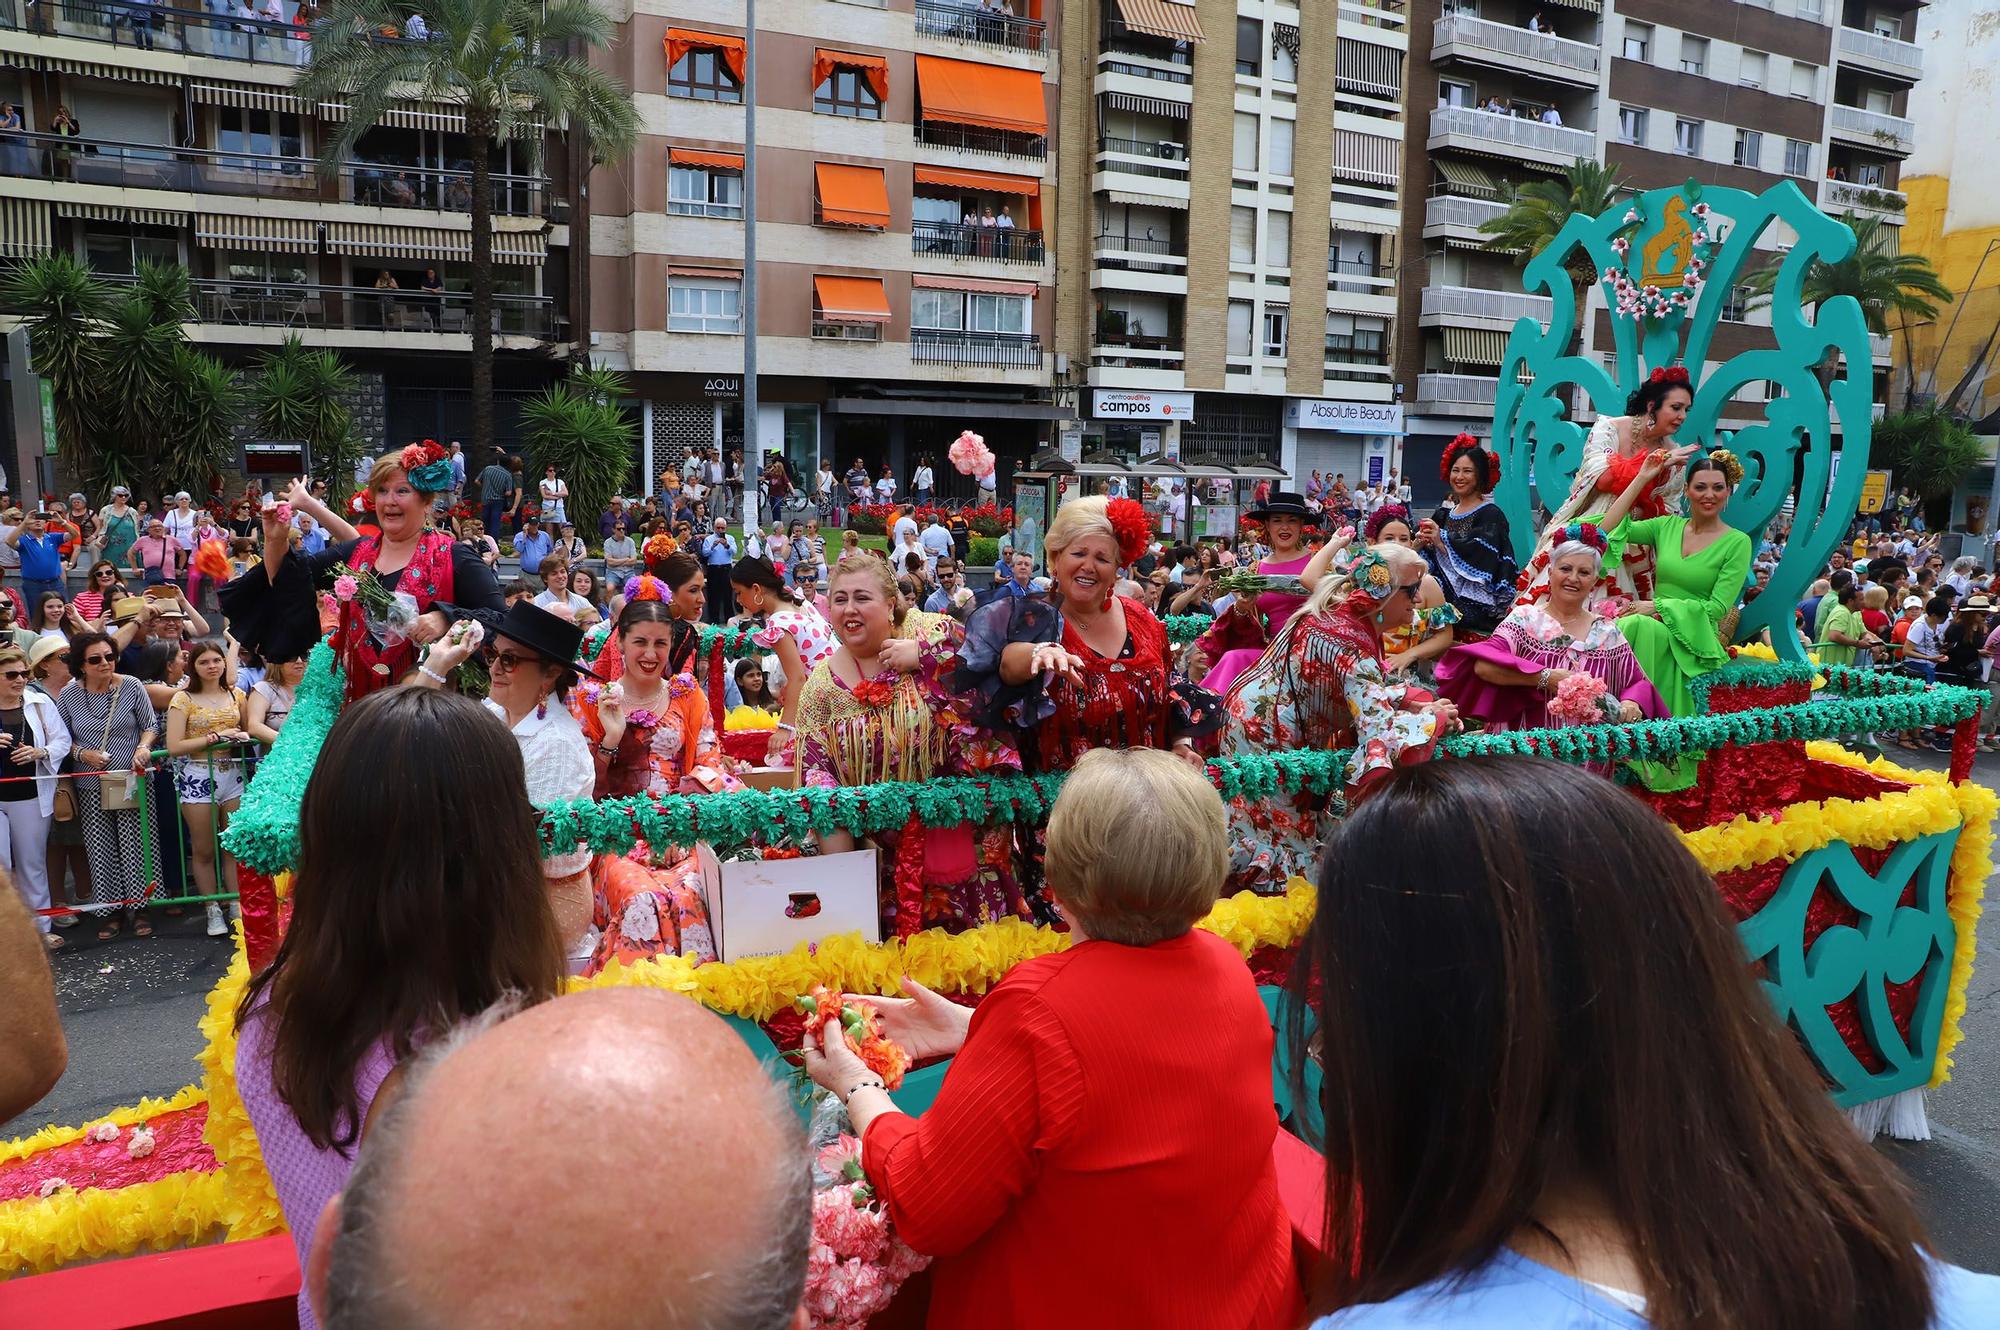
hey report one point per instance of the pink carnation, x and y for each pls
(846, 1229)
(140, 1143)
(1579, 700)
(834, 1160)
(283, 512)
(50, 1186)
(103, 1131)
(345, 588)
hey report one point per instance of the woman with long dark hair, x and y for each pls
(1468, 542)
(1549, 1104)
(398, 931)
(792, 631)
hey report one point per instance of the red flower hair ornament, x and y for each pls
(1465, 443)
(1676, 374)
(1134, 529)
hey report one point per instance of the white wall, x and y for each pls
(1953, 107)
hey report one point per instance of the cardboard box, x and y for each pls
(767, 907)
(769, 778)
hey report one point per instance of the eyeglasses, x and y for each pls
(507, 660)
(98, 660)
(1414, 589)
(13, 674)
(103, 573)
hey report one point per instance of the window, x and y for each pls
(1239, 329)
(1812, 11)
(702, 75)
(937, 310)
(1632, 125)
(113, 247)
(1749, 149)
(1694, 54)
(1249, 47)
(1878, 100)
(1284, 54)
(1277, 323)
(1278, 159)
(1243, 236)
(259, 133)
(1638, 41)
(1798, 158)
(1687, 137)
(1353, 339)
(1277, 239)
(1244, 158)
(705, 304)
(846, 92)
(1734, 304)
(998, 314)
(1805, 78)
(1452, 92)
(1872, 174)
(248, 267)
(1753, 69)
(704, 191)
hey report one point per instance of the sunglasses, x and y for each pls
(1414, 589)
(507, 660)
(98, 660)
(13, 674)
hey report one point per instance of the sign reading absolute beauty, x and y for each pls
(1108, 405)
(1344, 417)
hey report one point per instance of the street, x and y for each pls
(131, 1010)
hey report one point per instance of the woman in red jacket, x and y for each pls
(1100, 1151)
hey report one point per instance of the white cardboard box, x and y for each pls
(767, 907)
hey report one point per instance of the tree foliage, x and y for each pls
(1929, 450)
(1537, 212)
(301, 394)
(580, 427)
(1881, 280)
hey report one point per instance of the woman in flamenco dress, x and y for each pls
(1468, 542)
(1284, 517)
(1613, 454)
(1324, 685)
(880, 709)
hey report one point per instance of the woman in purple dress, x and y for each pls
(1284, 517)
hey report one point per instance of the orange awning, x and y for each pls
(873, 68)
(990, 181)
(852, 195)
(965, 92)
(679, 41)
(1161, 18)
(939, 283)
(851, 299)
(721, 161)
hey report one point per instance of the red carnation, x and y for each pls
(1134, 529)
(1462, 444)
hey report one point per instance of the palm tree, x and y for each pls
(579, 426)
(298, 394)
(1537, 212)
(1882, 280)
(506, 64)
(62, 305)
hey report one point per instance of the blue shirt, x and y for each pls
(41, 557)
(533, 547)
(1512, 1292)
(718, 551)
(313, 541)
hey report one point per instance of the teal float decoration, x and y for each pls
(1669, 260)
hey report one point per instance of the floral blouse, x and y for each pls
(672, 752)
(894, 726)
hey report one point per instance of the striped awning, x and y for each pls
(1126, 101)
(367, 240)
(278, 235)
(1367, 228)
(1474, 346)
(112, 212)
(1161, 18)
(1368, 157)
(24, 227)
(122, 73)
(1145, 200)
(1591, 6)
(1365, 67)
(247, 95)
(1467, 178)
(406, 115)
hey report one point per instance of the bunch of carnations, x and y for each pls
(855, 1262)
(862, 1025)
(1582, 699)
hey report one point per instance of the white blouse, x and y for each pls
(558, 760)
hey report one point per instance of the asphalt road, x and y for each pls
(131, 1008)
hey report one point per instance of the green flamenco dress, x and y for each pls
(1691, 596)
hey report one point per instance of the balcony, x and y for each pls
(985, 142)
(1470, 306)
(1456, 394)
(1503, 45)
(1872, 129)
(1391, 15)
(943, 346)
(1136, 254)
(951, 241)
(1161, 158)
(970, 25)
(364, 309)
(827, 330)
(1455, 217)
(186, 32)
(1357, 276)
(1888, 56)
(85, 161)
(1838, 196)
(1474, 130)
(1880, 348)
(1135, 351)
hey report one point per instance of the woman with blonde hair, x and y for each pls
(880, 708)
(1324, 684)
(33, 743)
(1125, 1078)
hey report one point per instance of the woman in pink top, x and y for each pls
(1284, 519)
(156, 555)
(401, 927)
(793, 630)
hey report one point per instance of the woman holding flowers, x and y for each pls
(880, 709)
(398, 590)
(1407, 649)
(1277, 575)
(1467, 541)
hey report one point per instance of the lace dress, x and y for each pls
(1532, 640)
(1601, 477)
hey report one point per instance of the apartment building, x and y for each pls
(906, 159)
(1739, 94)
(192, 149)
(1224, 297)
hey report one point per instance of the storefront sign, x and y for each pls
(726, 386)
(1108, 405)
(1344, 417)
(1069, 440)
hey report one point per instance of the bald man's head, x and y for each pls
(612, 1158)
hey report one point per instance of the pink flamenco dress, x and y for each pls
(1276, 604)
(1531, 640)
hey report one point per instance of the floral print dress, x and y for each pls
(651, 901)
(1322, 685)
(911, 727)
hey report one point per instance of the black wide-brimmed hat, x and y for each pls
(547, 635)
(1282, 503)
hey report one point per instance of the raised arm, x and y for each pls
(1655, 463)
(300, 496)
(1323, 558)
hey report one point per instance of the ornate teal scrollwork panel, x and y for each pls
(1888, 944)
(1669, 262)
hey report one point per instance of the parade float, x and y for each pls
(1856, 883)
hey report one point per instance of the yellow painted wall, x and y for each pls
(1956, 256)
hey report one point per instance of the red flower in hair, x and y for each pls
(1671, 374)
(1465, 443)
(1135, 531)
(422, 454)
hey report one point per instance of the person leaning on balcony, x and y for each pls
(65, 125)
(14, 159)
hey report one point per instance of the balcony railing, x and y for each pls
(1510, 131)
(364, 308)
(1457, 389)
(87, 161)
(1137, 253)
(1516, 44)
(1893, 54)
(978, 27)
(1124, 350)
(1162, 159)
(1009, 244)
(1109, 63)
(1472, 302)
(826, 330)
(1389, 14)
(969, 138)
(150, 27)
(1843, 195)
(1452, 210)
(944, 346)
(1891, 132)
